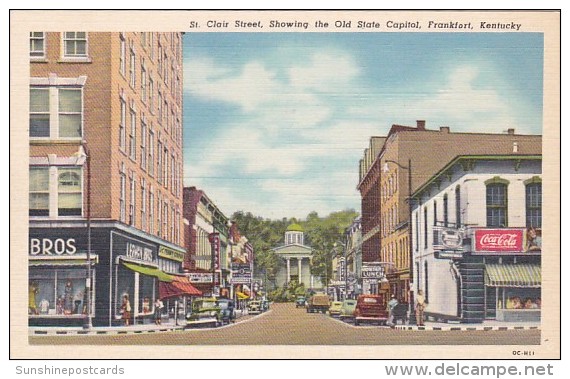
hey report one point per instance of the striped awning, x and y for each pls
(513, 275)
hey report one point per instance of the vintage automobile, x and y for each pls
(300, 301)
(204, 311)
(227, 310)
(334, 309)
(319, 302)
(371, 308)
(254, 307)
(347, 310)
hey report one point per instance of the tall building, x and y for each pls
(394, 166)
(105, 172)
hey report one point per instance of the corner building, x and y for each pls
(105, 128)
(393, 167)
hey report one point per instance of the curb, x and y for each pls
(59, 332)
(464, 328)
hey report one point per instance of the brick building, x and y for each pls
(105, 172)
(417, 153)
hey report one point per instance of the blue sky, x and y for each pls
(275, 123)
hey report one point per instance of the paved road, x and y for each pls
(286, 325)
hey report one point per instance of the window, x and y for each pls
(75, 44)
(151, 211)
(159, 162)
(497, 205)
(165, 164)
(39, 191)
(151, 94)
(159, 215)
(435, 212)
(160, 58)
(37, 45)
(534, 205)
(143, 84)
(165, 219)
(56, 112)
(66, 200)
(133, 73)
(123, 56)
(143, 143)
(425, 228)
(133, 136)
(458, 207)
(39, 112)
(445, 211)
(143, 204)
(151, 152)
(159, 107)
(70, 112)
(417, 231)
(122, 126)
(132, 199)
(426, 279)
(122, 195)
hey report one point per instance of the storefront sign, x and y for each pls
(448, 254)
(215, 242)
(48, 246)
(200, 277)
(139, 252)
(372, 272)
(498, 241)
(166, 252)
(241, 273)
(448, 238)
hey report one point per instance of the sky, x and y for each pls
(276, 123)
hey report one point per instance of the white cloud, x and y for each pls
(327, 71)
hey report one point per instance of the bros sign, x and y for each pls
(47, 246)
(498, 240)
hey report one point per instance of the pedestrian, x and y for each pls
(420, 306)
(391, 305)
(126, 309)
(158, 305)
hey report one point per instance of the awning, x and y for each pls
(150, 271)
(513, 275)
(242, 296)
(180, 286)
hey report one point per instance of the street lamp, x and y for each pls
(84, 154)
(410, 243)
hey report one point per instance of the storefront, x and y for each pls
(512, 274)
(124, 261)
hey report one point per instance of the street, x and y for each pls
(286, 325)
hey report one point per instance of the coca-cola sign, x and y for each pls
(498, 240)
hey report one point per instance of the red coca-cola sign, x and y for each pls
(498, 240)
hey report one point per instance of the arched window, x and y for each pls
(445, 211)
(425, 228)
(435, 212)
(458, 206)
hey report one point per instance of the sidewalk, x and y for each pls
(485, 326)
(169, 326)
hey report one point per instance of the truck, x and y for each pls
(319, 302)
(372, 309)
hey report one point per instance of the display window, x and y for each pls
(518, 298)
(146, 295)
(57, 291)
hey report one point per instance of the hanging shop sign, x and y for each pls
(214, 239)
(498, 241)
(241, 273)
(372, 271)
(448, 238)
(202, 277)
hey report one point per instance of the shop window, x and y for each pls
(57, 292)
(518, 298)
(146, 295)
(496, 205)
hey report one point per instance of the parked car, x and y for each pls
(204, 311)
(319, 302)
(371, 308)
(300, 301)
(254, 307)
(334, 309)
(347, 310)
(227, 310)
